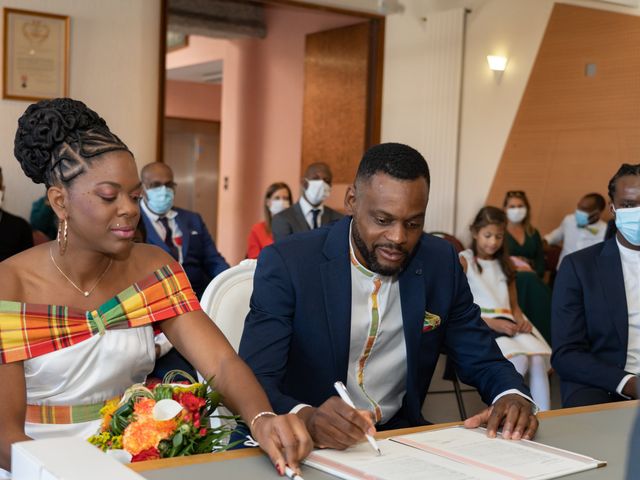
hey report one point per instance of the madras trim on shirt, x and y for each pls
(372, 336)
(30, 330)
(503, 311)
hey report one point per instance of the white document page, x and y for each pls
(396, 462)
(451, 453)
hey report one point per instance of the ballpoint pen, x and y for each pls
(344, 395)
(288, 471)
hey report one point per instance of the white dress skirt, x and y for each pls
(491, 293)
(90, 372)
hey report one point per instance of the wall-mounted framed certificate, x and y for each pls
(36, 55)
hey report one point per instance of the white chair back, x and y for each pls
(226, 299)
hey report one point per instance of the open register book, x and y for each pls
(452, 453)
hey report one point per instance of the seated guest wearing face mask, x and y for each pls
(15, 232)
(309, 212)
(277, 199)
(596, 307)
(180, 232)
(185, 237)
(524, 244)
(582, 228)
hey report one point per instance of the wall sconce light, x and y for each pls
(497, 63)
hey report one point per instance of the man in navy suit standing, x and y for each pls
(372, 301)
(185, 237)
(595, 317)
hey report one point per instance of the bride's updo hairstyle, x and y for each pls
(58, 139)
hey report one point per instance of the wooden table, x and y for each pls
(599, 431)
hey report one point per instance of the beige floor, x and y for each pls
(441, 406)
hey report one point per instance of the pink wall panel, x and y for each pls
(197, 101)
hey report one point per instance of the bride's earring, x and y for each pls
(63, 236)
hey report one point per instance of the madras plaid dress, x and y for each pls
(28, 331)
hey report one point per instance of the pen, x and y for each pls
(344, 395)
(291, 474)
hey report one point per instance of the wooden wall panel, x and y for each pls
(335, 99)
(572, 132)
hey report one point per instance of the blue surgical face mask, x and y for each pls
(582, 218)
(628, 224)
(160, 199)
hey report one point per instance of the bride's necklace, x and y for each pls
(86, 293)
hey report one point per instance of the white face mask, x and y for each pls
(317, 191)
(278, 205)
(517, 214)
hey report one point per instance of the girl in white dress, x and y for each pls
(491, 277)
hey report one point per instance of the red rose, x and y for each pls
(190, 402)
(148, 454)
(152, 382)
(203, 432)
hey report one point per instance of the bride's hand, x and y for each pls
(284, 438)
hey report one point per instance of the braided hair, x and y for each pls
(58, 139)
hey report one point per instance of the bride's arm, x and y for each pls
(13, 411)
(284, 438)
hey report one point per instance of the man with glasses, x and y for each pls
(178, 231)
(184, 235)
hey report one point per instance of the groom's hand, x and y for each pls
(513, 412)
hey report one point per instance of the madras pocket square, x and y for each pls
(431, 321)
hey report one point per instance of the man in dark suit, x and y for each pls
(372, 301)
(595, 321)
(185, 237)
(309, 212)
(15, 232)
(178, 231)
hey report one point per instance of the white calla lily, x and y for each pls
(166, 409)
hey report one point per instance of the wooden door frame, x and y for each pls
(375, 74)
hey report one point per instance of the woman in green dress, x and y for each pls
(525, 247)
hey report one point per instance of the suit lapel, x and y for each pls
(152, 234)
(326, 216)
(336, 283)
(298, 216)
(612, 282)
(183, 224)
(413, 302)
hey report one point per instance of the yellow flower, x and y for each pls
(107, 412)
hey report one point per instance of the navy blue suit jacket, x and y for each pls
(297, 333)
(200, 257)
(589, 320)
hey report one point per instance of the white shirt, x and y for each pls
(574, 238)
(307, 211)
(377, 371)
(159, 228)
(630, 271)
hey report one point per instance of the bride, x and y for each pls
(77, 315)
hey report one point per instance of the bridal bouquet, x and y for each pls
(166, 419)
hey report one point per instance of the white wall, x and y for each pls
(510, 27)
(113, 68)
